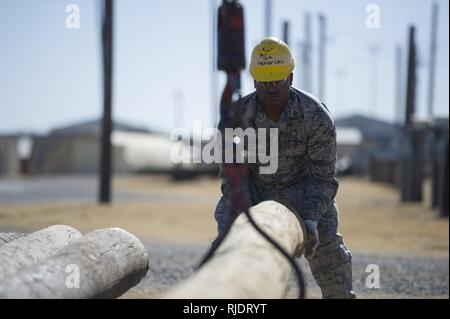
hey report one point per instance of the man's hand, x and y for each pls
(312, 238)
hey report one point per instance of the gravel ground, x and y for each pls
(400, 277)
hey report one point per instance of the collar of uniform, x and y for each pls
(260, 115)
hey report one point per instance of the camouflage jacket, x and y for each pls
(306, 155)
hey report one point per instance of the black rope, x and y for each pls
(239, 201)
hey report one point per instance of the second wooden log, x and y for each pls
(102, 264)
(35, 247)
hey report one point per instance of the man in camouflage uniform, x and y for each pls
(304, 181)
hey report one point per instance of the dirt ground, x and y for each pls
(372, 219)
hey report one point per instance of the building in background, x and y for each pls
(9, 156)
(377, 139)
(349, 140)
(75, 150)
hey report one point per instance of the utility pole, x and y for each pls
(434, 24)
(268, 18)
(436, 157)
(398, 85)
(411, 84)
(214, 82)
(322, 48)
(106, 154)
(373, 86)
(286, 32)
(306, 57)
(412, 167)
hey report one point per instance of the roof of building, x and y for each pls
(369, 127)
(93, 128)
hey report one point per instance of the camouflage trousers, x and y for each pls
(331, 265)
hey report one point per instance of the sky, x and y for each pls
(51, 76)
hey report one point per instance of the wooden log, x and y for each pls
(102, 264)
(7, 237)
(35, 247)
(246, 265)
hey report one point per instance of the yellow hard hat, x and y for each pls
(271, 60)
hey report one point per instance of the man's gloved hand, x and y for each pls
(312, 238)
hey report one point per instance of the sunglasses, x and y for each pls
(272, 83)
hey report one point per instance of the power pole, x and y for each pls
(373, 86)
(214, 82)
(398, 85)
(106, 154)
(434, 24)
(412, 168)
(411, 84)
(436, 161)
(286, 32)
(268, 18)
(306, 57)
(322, 48)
